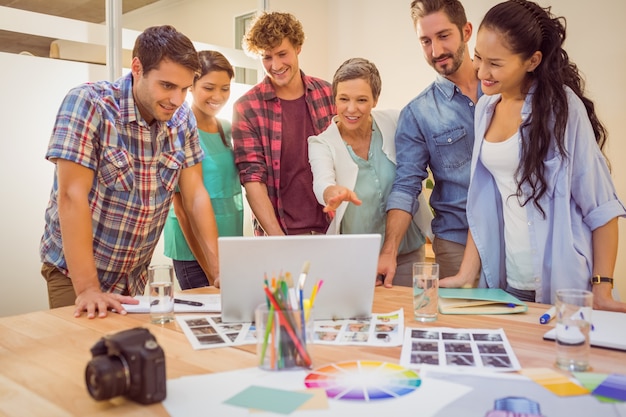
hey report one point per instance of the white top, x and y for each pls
(502, 159)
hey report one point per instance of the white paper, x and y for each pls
(208, 331)
(202, 395)
(381, 329)
(491, 386)
(211, 303)
(469, 349)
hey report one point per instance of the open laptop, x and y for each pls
(346, 263)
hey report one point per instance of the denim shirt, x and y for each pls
(436, 130)
(580, 197)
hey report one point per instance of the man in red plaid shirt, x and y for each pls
(271, 125)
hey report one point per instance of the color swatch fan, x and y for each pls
(363, 380)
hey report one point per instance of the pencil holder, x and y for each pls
(283, 337)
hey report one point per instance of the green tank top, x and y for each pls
(221, 180)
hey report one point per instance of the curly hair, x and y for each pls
(526, 28)
(268, 31)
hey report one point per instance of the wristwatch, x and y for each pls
(597, 279)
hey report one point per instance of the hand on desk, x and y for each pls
(386, 270)
(94, 300)
(603, 299)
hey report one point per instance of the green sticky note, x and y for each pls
(591, 381)
(269, 399)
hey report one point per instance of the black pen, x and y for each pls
(190, 303)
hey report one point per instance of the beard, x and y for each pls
(450, 68)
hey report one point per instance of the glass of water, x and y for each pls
(425, 291)
(573, 323)
(161, 293)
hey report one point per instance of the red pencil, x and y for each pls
(285, 323)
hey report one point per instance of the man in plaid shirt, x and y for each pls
(120, 149)
(271, 125)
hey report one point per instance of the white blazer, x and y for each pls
(332, 164)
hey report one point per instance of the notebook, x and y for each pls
(347, 265)
(608, 330)
(478, 301)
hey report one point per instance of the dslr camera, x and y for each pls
(129, 363)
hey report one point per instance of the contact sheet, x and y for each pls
(469, 348)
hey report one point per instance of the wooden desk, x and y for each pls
(43, 354)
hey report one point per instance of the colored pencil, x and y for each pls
(286, 325)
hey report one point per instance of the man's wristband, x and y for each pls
(597, 279)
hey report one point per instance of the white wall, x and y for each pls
(210, 21)
(336, 30)
(383, 33)
(32, 89)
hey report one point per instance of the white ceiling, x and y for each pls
(87, 10)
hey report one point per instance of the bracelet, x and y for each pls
(597, 279)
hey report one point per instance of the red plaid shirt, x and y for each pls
(257, 131)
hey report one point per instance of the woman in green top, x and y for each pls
(210, 90)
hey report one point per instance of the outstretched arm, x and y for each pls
(337, 194)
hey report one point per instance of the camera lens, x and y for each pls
(107, 377)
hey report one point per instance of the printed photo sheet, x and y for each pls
(458, 348)
(381, 329)
(208, 331)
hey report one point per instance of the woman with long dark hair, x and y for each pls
(538, 167)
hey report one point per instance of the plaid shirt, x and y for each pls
(136, 171)
(257, 130)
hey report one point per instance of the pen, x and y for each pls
(301, 281)
(548, 315)
(189, 303)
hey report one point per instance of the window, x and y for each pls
(242, 24)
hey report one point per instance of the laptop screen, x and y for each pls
(347, 265)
